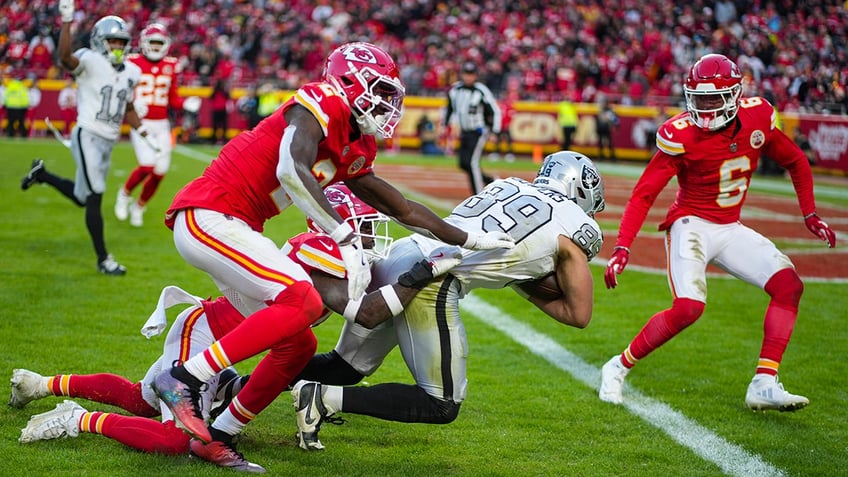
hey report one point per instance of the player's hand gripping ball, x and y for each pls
(545, 288)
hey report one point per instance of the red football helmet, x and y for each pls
(369, 80)
(154, 41)
(712, 91)
(371, 226)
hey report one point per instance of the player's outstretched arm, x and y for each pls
(384, 197)
(389, 300)
(574, 307)
(66, 57)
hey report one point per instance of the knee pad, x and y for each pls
(447, 410)
(785, 288)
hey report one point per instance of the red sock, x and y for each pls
(136, 176)
(785, 288)
(139, 433)
(150, 186)
(274, 374)
(103, 388)
(664, 326)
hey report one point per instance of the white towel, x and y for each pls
(170, 296)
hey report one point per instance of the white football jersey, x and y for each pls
(533, 216)
(103, 93)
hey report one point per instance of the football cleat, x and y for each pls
(60, 422)
(183, 400)
(109, 266)
(310, 410)
(136, 215)
(26, 386)
(122, 205)
(32, 176)
(766, 393)
(612, 380)
(224, 455)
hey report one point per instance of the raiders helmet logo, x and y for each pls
(589, 177)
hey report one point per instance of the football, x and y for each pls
(545, 288)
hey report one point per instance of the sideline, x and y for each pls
(731, 458)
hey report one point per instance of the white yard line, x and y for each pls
(731, 458)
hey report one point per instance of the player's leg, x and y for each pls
(479, 179)
(433, 343)
(689, 245)
(104, 388)
(241, 259)
(69, 419)
(160, 134)
(756, 260)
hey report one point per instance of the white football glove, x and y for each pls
(443, 259)
(66, 10)
(358, 269)
(488, 241)
(440, 261)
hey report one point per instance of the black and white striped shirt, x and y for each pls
(475, 107)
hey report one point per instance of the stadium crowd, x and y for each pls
(634, 52)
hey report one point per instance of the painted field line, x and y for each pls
(730, 458)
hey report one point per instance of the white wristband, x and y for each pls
(351, 310)
(392, 300)
(341, 232)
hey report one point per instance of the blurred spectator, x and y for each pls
(567, 117)
(16, 102)
(248, 106)
(269, 100)
(220, 103)
(40, 53)
(68, 105)
(427, 135)
(605, 122)
(503, 139)
(34, 93)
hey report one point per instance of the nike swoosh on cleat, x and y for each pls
(307, 418)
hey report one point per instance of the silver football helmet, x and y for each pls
(575, 176)
(109, 28)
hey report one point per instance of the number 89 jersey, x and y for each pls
(534, 217)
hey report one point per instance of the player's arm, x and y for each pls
(786, 153)
(66, 57)
(389, 300)
(574, 307)
(414, 216)
(298, 150)
(131, 118)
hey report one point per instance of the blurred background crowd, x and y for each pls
(631, 51)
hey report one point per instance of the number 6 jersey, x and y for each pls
(535, 217)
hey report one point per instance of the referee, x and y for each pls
(477, 113)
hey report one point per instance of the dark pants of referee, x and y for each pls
(470, 150)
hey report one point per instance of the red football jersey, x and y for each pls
(312, 251)
(242, 181)
(158, 85)
(714, 169)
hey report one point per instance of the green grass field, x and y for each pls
(532, 407)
